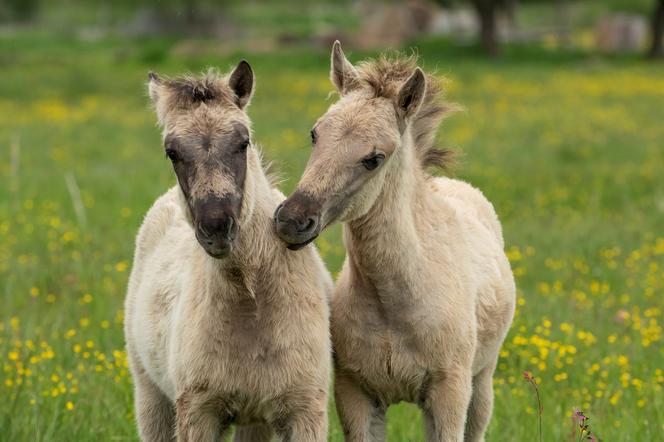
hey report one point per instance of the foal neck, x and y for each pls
(385, 242)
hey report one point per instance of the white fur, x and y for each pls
(426, 295)
(240, 340)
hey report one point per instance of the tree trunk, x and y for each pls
(564, 27)
(657, 49)
(510, 7)
(191, 13)
(486, 12)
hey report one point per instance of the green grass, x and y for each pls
(568, 147)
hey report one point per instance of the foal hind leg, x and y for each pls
(253, 433)
(481, 405)
(155, 414)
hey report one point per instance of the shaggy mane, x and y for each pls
(189, 90)
(385, 75)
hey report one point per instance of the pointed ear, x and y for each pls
(411, 94)
(342, 73)
(241, 82)
(158, 91)
(154, 86)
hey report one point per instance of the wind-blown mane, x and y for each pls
(187, 91)
(385, 75)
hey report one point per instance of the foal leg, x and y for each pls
(481, 405)
(253, 433)
(445, 406)
(377, 429)
(304, 426)
(303, 416)
(361, 418)
(200, 419)
(155, 414)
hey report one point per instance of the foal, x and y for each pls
(426, 295)
(223, 325)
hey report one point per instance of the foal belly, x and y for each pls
(386, 365)
(400, 378)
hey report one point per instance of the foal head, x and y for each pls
(206, 137)
(383, 104)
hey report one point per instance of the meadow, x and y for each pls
(569, 147)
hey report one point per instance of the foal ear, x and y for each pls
(154, 86)
(342, 73)
(241, 82)
(411, 94)
(157, 90)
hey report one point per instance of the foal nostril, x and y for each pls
(307, 226)
(277, 218)
(218, 227)
(203, 230)
(295, 222)
(276, 212)
(230, 232)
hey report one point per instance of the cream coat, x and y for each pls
(426, 295)
(240, 340)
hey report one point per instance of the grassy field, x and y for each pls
(569, 148)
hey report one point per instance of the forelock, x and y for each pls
(187, 92)
(384, 76)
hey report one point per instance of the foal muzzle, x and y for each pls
(297, 220)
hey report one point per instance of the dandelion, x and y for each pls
(121, 266)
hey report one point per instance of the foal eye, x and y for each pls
(243, 146)
(314, 136)
(172, 154)
(370, 163)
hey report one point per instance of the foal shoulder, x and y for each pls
(163, 213)
(469, 199)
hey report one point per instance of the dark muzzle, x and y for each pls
(216, 225)
(297, 220)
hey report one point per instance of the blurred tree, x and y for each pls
(187, 17)
(563, 21)
(656, 48)
(487, 13)
(18, 10)
(487, 17)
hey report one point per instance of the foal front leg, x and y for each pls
(154, 412)
(481, 405)
(253, 433)
(304, 418)
(445, 405)
(200, 419)
(304, 426)
(361, 418)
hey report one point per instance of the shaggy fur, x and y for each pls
(240, 340)
(384, 76)
(426, 294)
